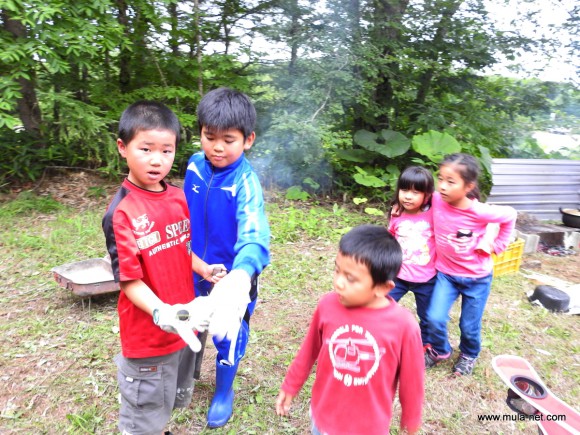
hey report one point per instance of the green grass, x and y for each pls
(57, 350)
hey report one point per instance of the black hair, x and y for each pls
(147, 115)
(416, 178)
(468, 169)
(375, 247)
(225, 108)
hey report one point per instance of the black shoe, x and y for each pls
(464, 365)
(432, 358)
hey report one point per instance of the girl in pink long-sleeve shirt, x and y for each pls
(411, 222)
(464, 264)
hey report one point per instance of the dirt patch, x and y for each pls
(566, 268)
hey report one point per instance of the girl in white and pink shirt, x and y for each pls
(411, 222)
(464, 264)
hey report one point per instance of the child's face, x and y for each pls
(149, 156)
(412, 200)
(354, 284)
(224, 147)
(451, 186)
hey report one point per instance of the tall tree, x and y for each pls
(20, 74)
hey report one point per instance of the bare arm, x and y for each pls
(141, 295)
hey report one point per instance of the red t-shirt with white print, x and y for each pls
(362, 355)
(148, 238)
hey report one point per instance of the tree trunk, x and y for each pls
(174, 32)
(354, 24)
(427, 77)
(125, 55)
(27, 104)
(198, 53)
(294, 45)
(387, 34)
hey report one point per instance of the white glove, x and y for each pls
(176, 319)
(165, 316)
(230, 298)
(199, 311)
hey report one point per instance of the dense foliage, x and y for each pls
(348, 93)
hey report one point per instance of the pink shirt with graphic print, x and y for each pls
(414, 232)
(459, 256)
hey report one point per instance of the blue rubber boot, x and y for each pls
(222, 404)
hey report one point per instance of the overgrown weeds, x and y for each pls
(57, 350)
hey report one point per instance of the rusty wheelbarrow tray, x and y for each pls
(86, 278)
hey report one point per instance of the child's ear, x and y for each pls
(122, 148)
(385, 288)
(250, 141)
(469, 187)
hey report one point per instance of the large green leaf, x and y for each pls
(359, 156)
(435, 145)
(387, 142)
(396, 144)
(297, 194)
(365, 139)
(367, 180)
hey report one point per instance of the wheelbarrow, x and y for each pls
(86, 278)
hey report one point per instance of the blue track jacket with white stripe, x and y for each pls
(228, 221)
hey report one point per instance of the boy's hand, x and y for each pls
(176, 319)
(214, 272)
(283, 403)
(165, 316)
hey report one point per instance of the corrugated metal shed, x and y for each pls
(537, 187)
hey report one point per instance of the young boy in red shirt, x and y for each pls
(364, 343)
(148, 237)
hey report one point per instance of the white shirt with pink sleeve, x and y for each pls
(414, 232)
(459, 256)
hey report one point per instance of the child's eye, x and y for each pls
(145, 149)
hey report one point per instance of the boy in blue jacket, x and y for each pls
(232, 235)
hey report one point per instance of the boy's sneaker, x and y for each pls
(433, 358)
(464, 365)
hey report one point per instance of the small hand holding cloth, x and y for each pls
(230, 298)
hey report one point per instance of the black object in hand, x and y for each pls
(183, 315)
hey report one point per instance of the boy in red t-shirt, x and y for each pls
(364, 344)
(148, 237)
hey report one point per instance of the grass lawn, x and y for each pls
(56, 349)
